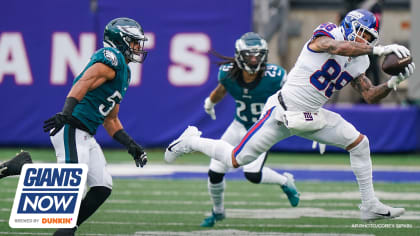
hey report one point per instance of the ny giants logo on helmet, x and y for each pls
(355, 14)
(48, 196)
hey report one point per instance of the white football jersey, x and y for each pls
(316, 76)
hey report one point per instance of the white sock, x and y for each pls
(216, 192)
(270, 176)
(362, 169)
(216, 149)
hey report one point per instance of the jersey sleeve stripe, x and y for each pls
(322, 33)
(252, 131)
(307, 46)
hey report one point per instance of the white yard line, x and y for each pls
(281, 203)
(280, 213)
(204, 233)
(411, 196)
(229, 232)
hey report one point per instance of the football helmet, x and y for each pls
(356, 22)
(120, 32)
(251, 52)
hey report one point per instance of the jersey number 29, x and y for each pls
(256, 109)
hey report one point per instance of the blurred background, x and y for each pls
(44, 44)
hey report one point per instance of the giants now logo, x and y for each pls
(48, 196)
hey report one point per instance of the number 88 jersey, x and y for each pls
(317, 75)
(250, 98)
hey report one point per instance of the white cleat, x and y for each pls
(375, 210)
(179, 147)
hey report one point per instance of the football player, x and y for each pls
(332, 58)
(250, 81)
(94, 99)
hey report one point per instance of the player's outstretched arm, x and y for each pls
(373, 94)
(353, 49)
(215, 96)
(113, 126)
(342, 48)
(370, 93)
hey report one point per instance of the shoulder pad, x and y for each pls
(224, 70)
(327, 29)
(109, 56)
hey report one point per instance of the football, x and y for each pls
(393, 65)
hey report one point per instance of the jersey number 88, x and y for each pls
(330, 78)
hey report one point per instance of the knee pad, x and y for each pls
(253, 177)
(215, 177)
(362, 148)
(360, 155)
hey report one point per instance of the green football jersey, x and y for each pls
(250, 98)
(98, 103)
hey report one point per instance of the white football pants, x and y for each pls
(233, 135)
(77, 146)
(267, 131)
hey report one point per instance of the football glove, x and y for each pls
(395, 80)
(138, 153)
(399, 50)
(321, 146)
(55, 123)
(209, 108)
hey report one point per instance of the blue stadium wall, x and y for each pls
(45, 44)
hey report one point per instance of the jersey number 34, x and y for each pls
(330, 78)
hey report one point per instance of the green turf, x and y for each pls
(165, 205)
(141, 205)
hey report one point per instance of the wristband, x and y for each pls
(123, 137)
(69, 105)
(208, 104)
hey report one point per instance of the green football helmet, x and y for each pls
(120, 32)
(251, 52)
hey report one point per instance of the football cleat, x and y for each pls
(179, 146)
(376, 210)
(211, 220)
(14, 165)
(290, 190)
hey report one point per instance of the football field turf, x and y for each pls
(176, 206)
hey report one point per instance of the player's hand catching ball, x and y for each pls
(399, 50)
(397, 79)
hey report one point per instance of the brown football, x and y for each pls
(393, 65)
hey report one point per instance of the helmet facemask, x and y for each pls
(132, 53)
(358, 31)
(251, 52)
(251, 60)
